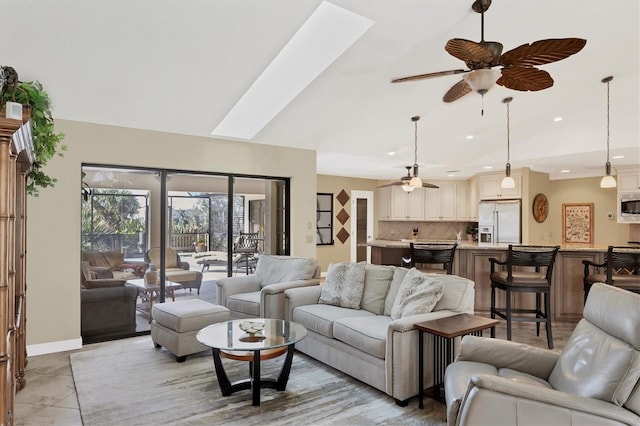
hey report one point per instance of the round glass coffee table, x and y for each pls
(252, 340)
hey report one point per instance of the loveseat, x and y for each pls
(262, 294)
(595, 380)
(365, 328)
(175, 269)
(113, 260)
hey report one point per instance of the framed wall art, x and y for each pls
(577, 223)
(324, 219)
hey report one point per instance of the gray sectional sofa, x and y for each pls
(369, 341)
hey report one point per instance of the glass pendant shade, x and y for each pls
(508, 183)
(415, 182)
(407, 188)
(481, 81)
(607, 181)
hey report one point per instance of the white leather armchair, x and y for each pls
(593, 381)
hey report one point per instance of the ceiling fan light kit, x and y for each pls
(607, 181)
(518, 66)
(508, 182)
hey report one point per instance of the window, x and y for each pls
(324, 219)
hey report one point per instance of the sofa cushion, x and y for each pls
(281, 269)
(108, 259)
(170, 258)
(377, 279)
(248, 303)
(454, 290)
(86, 270)
(320, 318)
(418, 294)
(344, 285)
(104, 282)
(180, 275)
(368, 334)
(593, 365)
(398, 277)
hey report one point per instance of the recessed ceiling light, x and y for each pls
(391, 153)
(469, 137)
(617, 157)
(556, 119)
(326, 35)
(451, 175)
(487, 167)
(565, 171)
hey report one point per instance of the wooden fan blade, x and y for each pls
(428, 75)
(542, 52)
(396, 183)
(457, 91)
(525, 79)
(429, 185)
(468, 51)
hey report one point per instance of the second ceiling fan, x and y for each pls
(518, 71)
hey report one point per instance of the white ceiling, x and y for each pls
(181, 66)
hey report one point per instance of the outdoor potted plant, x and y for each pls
(200, 245)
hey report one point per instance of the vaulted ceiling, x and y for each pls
(182, 66)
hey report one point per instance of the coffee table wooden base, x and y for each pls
(254, 382)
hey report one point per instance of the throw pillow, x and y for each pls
(377, 279)
(398, 277)
(418, 294)
(86, 271)
(281, 269)
(344, 285)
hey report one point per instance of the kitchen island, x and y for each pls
(472, 261)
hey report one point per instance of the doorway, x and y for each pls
(361, 225)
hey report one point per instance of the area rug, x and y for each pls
(131, 382)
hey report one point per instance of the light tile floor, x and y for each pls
(49, 398)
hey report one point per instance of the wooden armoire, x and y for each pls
(16, 157)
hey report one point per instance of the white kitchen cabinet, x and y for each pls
(383, 202)
(628, 181)
(407, 205)
(490, 189)
(473, 199)
(448, 203)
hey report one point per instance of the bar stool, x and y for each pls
(621, 268)
(426, 256)
(527, 269)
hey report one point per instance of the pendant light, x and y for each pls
(607, 181)
(508, 182)
(415, 181)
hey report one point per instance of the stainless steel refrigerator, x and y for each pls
(499, 222)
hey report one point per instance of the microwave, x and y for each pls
(629, 207)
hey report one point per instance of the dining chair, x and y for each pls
(527, 269)
(432, 257)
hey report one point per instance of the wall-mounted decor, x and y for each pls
(324, 219)
(343, 197)
(577, 223)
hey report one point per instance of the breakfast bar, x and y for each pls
(472, 261)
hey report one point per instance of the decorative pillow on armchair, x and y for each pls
(272, 269)
(418, 294)
(344, 285)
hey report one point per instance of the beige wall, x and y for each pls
(532, 231)
(339, 252)
(587, 190)
(53, 240)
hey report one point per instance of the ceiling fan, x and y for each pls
(519, 70)
(409, 182)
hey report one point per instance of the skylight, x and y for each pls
(326, 35)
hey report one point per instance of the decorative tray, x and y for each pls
(251, 327)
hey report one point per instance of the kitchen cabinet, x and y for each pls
(472, 206)
(383, 203)
(407, 205)
(628, 181)
(490, 189)
(449, 202)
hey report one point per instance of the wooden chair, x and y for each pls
(621, 268)
(244, 249)
(528, 269)
(426, 256)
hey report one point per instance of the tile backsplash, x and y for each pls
(390, 230)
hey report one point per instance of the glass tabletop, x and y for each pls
(251, 334)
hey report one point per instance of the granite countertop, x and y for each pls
(472, 245)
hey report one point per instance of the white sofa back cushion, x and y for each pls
(398, 276)
(418, 294)
(344, 285)
(273, 269)
(455, 290)
(377, 279)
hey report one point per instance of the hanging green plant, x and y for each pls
(46, 142)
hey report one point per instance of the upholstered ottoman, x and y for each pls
(175, 325)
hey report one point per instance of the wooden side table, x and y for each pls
(445, 330)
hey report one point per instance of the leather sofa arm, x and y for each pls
(300, 296)
(508, 354)
(545, 403)
(236, 285)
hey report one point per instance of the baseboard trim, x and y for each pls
(53, 347)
